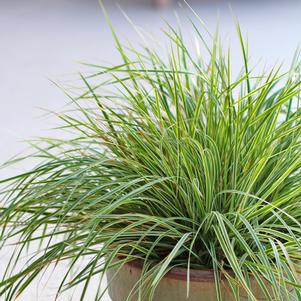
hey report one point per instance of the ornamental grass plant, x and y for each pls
(173, 161)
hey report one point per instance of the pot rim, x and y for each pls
(179, 273)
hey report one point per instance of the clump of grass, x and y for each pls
(179, 165)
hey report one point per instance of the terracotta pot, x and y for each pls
(173, 286)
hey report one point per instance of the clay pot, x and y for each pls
(173, 286)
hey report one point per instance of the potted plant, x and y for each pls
(180, 182)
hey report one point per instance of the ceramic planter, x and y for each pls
(173, 286)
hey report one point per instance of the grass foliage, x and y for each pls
(172, 161)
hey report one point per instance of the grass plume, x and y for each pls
(174, 162)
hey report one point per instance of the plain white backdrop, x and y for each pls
(43, 40)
